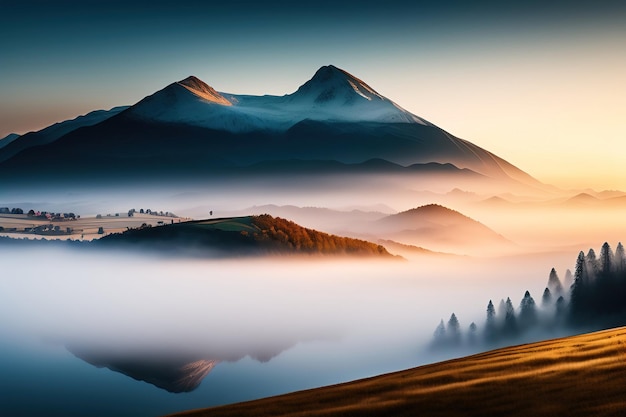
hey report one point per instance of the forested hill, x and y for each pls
(236, 236)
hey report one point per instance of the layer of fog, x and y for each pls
(197, 198)
(227, 310)
(533, 219)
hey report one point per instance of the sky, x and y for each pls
(541, 84)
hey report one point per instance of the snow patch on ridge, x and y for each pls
(356, 89)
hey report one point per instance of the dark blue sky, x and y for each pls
(61, 58)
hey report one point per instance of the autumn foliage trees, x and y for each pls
(289, 235)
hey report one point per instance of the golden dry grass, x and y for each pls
(576, 376)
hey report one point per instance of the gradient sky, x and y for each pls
(542, 84)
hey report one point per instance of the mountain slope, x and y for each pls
(55, 131)
(574, 376)
(8, 139)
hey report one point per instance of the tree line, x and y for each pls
(593, 298)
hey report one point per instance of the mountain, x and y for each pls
(441, 229)
(574, 376)
(582, 199)
(237, 236)
(190, 129)
(331, 95)
(334, 94)
(54, 132)
(8, 139)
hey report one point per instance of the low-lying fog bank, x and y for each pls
(138, 301)
(228, 330)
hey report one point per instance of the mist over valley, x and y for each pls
(200, 248)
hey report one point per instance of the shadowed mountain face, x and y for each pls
(54, 132)
(8, 139)
(189, 129)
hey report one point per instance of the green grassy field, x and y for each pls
(231, 224)
(576, 376)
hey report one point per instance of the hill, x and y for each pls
(441, 229)
(235, 236)
(575, 376)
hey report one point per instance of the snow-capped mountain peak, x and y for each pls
(331, 83)
(335, 94)
(332, 95)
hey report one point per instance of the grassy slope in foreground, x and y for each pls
(575, 376)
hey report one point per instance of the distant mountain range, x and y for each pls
(188, 129)
(583, 201)
(429, 229)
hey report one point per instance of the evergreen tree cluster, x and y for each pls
(596, 299)
(599, 289)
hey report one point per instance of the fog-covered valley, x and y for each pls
(143, 325)
(208, 327)
(220, 248)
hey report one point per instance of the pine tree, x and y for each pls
(490, 325)
(606, 259)
(593, 266)
(554, 283)
(491, 314)
(528, 312)
(440, 332)
(560, 308)
(472, 333)
(501, 311)
(454, 329)
(546, 299)
(620, 258)
(510, 322)
(569, 278)
(579, 286)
